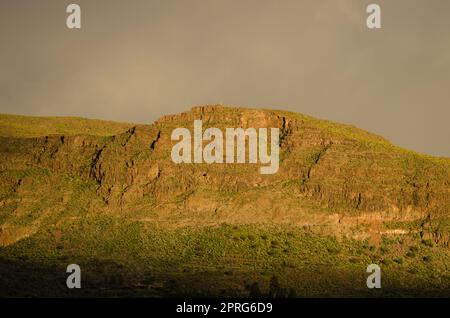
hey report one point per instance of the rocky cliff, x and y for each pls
(333, 179)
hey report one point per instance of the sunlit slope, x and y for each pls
(113, 196)
(28, 126)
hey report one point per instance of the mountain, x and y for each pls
(108, 197)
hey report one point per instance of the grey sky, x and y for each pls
(137, 60)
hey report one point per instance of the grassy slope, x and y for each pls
(137, 257)
(365, 138)
(28, 126)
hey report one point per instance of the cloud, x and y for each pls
(139, 61)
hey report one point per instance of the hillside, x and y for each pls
(108, 197)
(28, 126)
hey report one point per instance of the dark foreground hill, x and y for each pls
(108, 197)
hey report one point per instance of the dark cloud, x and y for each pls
(137, 60)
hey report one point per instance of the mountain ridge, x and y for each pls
(334, 180)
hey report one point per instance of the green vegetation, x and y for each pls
(226, 260)
(97, 194)
(27, 126)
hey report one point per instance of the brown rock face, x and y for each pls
(327, 171)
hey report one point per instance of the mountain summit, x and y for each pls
(89, 190)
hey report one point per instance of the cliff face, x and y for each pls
(110, 199)
(329, 174)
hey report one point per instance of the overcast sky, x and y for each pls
(137, 60)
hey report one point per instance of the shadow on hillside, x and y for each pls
(19, 278)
